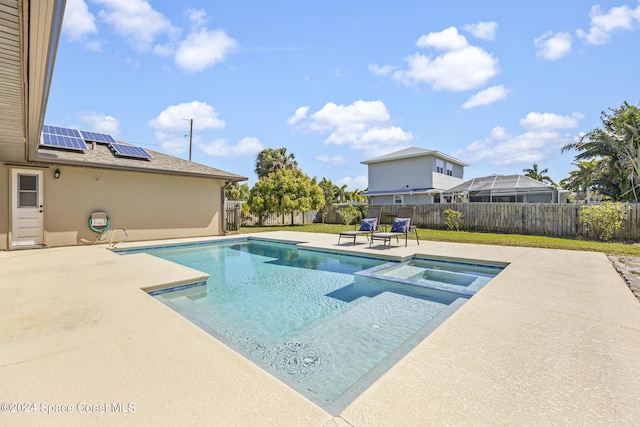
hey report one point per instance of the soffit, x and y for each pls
(12, 138)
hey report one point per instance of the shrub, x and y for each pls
(453, 219)
(604, 219)
(348, 214)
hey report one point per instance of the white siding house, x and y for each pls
(412, 176)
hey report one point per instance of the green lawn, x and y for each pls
(477, 238)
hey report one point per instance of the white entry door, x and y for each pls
(26, 218)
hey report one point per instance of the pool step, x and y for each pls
(371, 321)
(405, 271)
(369, 332)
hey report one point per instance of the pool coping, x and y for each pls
(563, 353)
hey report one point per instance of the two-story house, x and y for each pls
(412, 176)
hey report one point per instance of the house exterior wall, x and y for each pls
(407, 199)
(381, 200)
(416, 199)
(408, 173)
(149, 206)
(413, 172)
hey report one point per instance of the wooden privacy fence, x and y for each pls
(234, 218)
(541, 219)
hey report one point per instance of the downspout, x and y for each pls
(223, 197)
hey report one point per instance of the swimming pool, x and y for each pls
(310, 318)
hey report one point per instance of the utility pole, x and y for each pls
(190, 136)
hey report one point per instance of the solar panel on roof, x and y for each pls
(55, 130)
(62, 141)
(129, 151)
(97, 137)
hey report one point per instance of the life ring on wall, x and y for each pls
(99, 222)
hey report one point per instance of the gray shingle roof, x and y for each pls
(101, 157)
(413, 152)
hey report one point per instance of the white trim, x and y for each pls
(27, 223)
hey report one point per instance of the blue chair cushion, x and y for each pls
(369, 224)
(400, 225)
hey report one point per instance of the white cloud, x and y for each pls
(359, 182)
(172, 124)
(460, 67)
(446, 40)
(198, 17)
(483, 30)
(363, 125)
(603, 24)
(550, 121)
(499, 132)
(136, 21)
(300, 114)
(338, 160)
(244, 148)
(381, 70)
(458, 70)
(540, 140)
(486, 96)
(100, 122)
(551, 46)
(78, 22)
(203, 48)
(524, 148)
(93, 45)
(172, 119)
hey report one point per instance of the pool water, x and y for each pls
(302, 315)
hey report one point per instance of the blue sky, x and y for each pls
(499, 85)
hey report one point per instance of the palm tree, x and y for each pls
(342, 193)
(271, 160)
(617, 145)
(586, 176)
(534, 173)
(356, 196)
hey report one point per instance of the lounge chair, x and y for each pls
(368, 225)
(402, 226)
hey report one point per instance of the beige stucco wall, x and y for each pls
(149, 206)
(5, 200)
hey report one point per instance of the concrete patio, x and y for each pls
(554, 339)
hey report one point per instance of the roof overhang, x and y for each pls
(29, 34)
(425, 153)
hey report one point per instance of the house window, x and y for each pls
(398, 199)
(439, 166)
(449, 169)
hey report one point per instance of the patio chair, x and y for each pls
(402, 226)
(368, 225)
